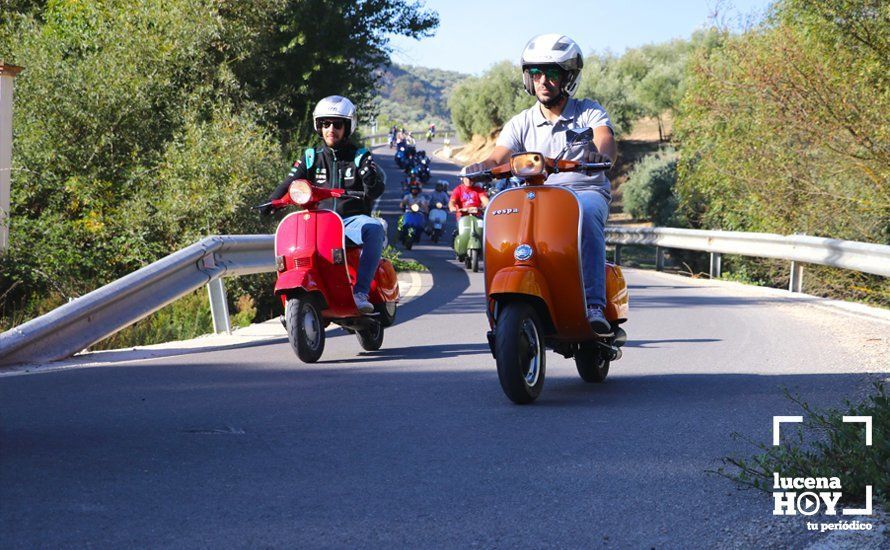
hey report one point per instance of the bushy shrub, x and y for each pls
(649, 193)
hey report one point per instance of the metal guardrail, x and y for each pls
(799, 249)
(99, 314)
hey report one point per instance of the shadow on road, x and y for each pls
(444, 351)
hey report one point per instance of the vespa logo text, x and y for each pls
(505, 211)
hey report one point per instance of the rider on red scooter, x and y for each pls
(337, 163)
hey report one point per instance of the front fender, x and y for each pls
(525, 280)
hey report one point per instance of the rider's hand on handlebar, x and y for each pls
(266, 210)
(593, 156)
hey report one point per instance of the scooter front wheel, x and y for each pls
(591, 364)
(519, 348)
(305, 328)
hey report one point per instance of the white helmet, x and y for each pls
(335, 106)
(553, 49)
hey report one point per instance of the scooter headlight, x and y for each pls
(300, 192)
(415, 208)
(523, 252)
(526, 165)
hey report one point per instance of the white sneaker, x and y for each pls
(362, 302)
(598, 322)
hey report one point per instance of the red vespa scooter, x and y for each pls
(316, 274)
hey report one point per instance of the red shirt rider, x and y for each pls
(468, 195)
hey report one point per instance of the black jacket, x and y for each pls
(345, 167)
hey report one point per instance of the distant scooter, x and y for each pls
(438, 216)
(411, 226)
(468, 241)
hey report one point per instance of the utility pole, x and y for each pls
(7, 78)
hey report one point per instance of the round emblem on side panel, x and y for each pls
(523, 252)
(531, 195)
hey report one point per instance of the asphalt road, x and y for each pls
(415, 445)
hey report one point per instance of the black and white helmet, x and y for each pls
(553, 49)
(335, 106)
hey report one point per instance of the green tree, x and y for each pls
(140, 127)
(784, 128)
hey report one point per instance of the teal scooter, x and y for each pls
(468, 241)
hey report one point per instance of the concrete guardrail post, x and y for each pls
(659, 258)
(617, 254)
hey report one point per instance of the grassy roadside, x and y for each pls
(825, 446)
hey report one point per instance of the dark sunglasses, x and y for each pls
(552, 73)
(337, 124)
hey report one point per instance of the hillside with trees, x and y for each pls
(414, 96)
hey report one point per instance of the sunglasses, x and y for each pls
(337, 124)
(552, 73)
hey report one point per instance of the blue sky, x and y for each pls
(474, 34)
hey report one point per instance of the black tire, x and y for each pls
(591, 365)
(436, 234)
(468, 261)
(371, 338)
(305, 328)
(474, 260)
(520, 352)
(387, 313)
(409, 239)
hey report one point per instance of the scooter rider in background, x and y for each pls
(467, 195)
(438, 214)
(440, 194)
(551, 71)
(414, 196)
(337, 163)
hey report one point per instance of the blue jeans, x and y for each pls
(368, 233)
(593, 246)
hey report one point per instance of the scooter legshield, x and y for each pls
(437, 218)
(469, 235)
(546, 218)
(313, 246)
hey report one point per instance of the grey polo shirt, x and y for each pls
(530, 131)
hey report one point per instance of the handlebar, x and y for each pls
(549, 166)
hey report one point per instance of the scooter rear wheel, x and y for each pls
(474, 260)
(305, 328)
(371, 338)
(591, 364)
(520, 352)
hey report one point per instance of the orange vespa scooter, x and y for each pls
(533, 278)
